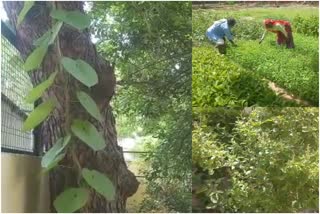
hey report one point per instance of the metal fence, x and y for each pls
(15, 84)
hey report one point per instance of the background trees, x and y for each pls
(150, 46)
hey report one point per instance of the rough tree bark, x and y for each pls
(75, 44)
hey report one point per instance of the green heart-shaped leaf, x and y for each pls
(37, 92)
(71, 200)
(54, 152)
(35, 59)
(39, 114)
(73, 18)
(44, 39)
(26, 7)
(54, 162)
(80, 70)
(99, 182)
(89, 104)
(49, 36)
(86, 132)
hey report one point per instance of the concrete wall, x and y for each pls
(23, 187)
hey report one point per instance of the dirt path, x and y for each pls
(285, 94)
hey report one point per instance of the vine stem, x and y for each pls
(75, 159)
(67, 101)
(66, 82)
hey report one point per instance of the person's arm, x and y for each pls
(263, 35)
(229, 36)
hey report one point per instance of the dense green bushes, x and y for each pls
(219, 82)
(295, 70)
(248, 28)
(306, 25)
(262, 160)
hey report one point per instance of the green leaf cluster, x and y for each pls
(308, 26)
(269, 159)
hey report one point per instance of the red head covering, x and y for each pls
(273, 22)
(268, 21)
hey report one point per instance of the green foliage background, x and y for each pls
(150, 45)
(257, 160)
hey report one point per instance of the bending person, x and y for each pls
(282, 29)
(219, 30)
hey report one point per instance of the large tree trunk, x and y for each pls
(75, 44)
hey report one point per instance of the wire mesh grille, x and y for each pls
(15, 84)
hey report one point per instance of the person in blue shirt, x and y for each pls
(219, 30)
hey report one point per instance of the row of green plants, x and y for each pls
(256, 160)
(72, 198)
(217, 81)
(295, 70)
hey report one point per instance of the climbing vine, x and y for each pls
(71, 199)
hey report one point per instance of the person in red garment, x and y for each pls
(282, 29)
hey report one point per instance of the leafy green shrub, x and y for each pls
(306, 25)
(271, 160)
(276, 160)
(295, 70)
(247, 28)
(210, 166)
(219, 82)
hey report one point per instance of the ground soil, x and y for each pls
(286, 95)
